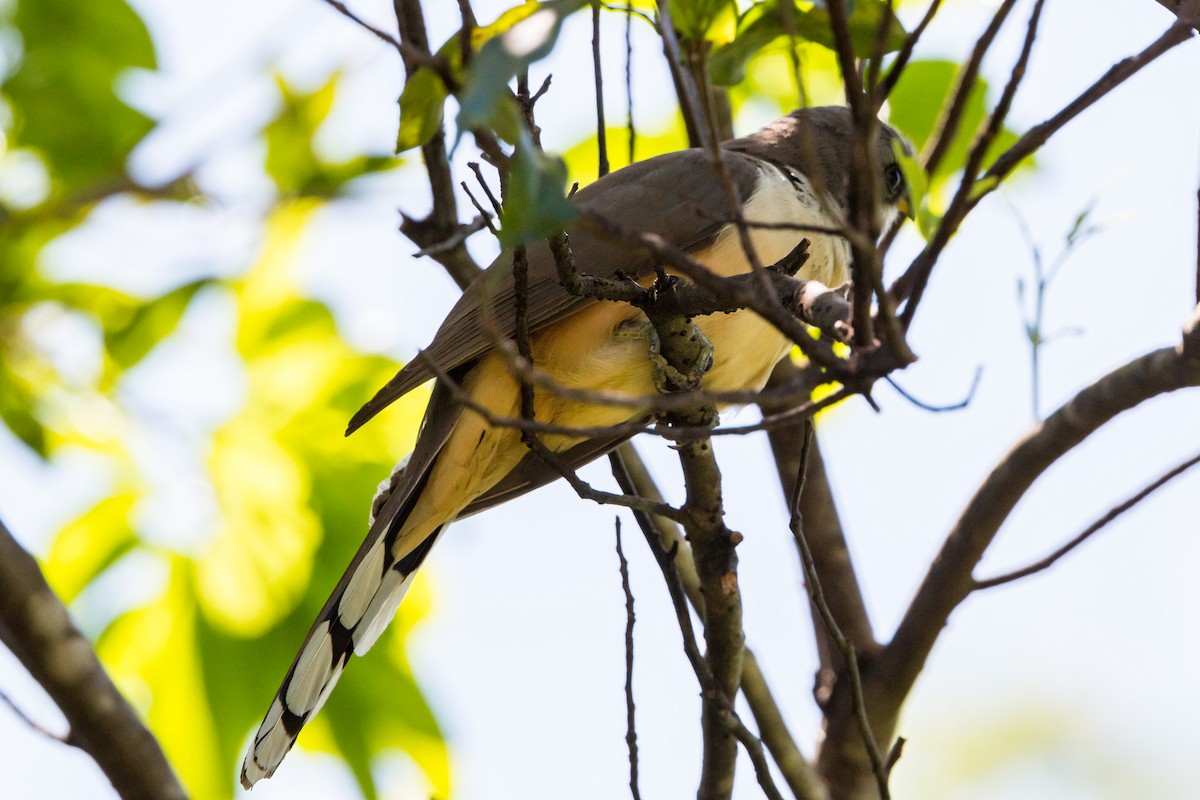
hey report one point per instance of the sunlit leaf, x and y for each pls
(150, 323)
(582, 159)
(421, 106)
(90, 544)
(258, 566)
(152, 654)
(485, 95)
(696, 19)
(916, 106)
(16, 411)
(291, 160)
(763, 24)
(917, 182)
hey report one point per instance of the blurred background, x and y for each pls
(201, 279)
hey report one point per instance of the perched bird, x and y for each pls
(462, 465)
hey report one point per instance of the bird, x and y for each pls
(793, 171)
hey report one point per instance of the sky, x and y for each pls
(1071, 684)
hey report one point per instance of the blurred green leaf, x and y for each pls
(154, 657)
(421, 107)
(916, 106)
(695, 19)
(16, 410)
(763, 24)
(149, 324)
(62, 94)
(582, 159)
(90, 544)
(485, 97)
(293, 163)
(535, 202)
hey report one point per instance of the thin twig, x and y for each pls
(630, 726)
(713, 693)
(459, 237)
(632, 428)
(601, 128)
(850, 657)
(966, 401)
(629, 78)
(947, 128)
(442, 221)
(1096, 526)
(949, 580)
(362, 23)
(689, 97)
(633, 478)
(884, 89)
(1037, 136)
(487, 190)
(33, 725)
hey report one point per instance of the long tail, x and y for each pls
(352, 621)
(360, 608)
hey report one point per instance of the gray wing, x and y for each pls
(675, 195)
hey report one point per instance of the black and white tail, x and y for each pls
(352, 620)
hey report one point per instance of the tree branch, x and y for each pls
(39, 631)
(816, 594)
(1113, 513)
(630, 726)
(441, 225)
(823, 529)
(950, 580)
(633, 478)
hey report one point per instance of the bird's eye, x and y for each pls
(895, 180)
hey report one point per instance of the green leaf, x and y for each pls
(916, 108)
(291, 160)
(763, 25)
(90, 544)
(695, 18)
(421, 107)
(149, 324)
(535, 203)
(485, 92)
(16, 410)
(62, 95)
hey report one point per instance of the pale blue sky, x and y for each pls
(1084, 668)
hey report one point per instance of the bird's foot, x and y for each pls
(691, 347)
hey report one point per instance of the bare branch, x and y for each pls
(823, 530)
(32, 724)
(630, 726)
(947, 128)
(817, 595)
(633, 478)
(601, 127)
(1037, 136)
(1096, 526)
(961, 404)
(103, 724)
(967, 189)
(1184, 9)
(950, 580)
(629, 79)
(441, 225)
(918, 272)
(902, 58)
(689, 97)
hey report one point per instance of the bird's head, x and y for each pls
(818, 143)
